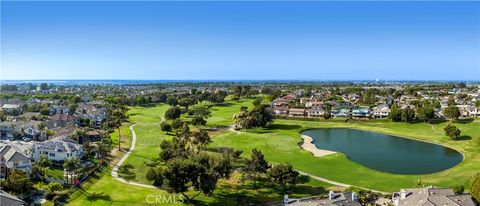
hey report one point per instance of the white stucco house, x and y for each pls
(57, 149)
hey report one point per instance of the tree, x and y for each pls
(104, 148)
(201, 138)
(165, 127)
(173, 113)
(185, 102)
(198, 120)
(451, 112)
(201, 171)
(44, 86)
(202, 111)
(141, 100)
(425, 113)
(475, 187)
(177, 124)
(451, 101)
(327, 115)
(172, 101)
(257, 102)
(43, 163)
(407, 115)
(260, 116)
(283, 175)
(452, 131)
(18, 182)
(72, 168)
(255, 166)
(395, 113)
(459, 189)
(117, 116)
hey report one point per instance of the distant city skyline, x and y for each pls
(240, 40)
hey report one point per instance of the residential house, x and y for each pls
(60, 120)
(280, 102)
(30, 129)
(361, 113)
(57, 149)
(296, 112)
(314, 104)
(30, 116)
(430, 196)
(11, 108)
(95, 114)
(10, 200)
(6, 130)
(468, 111)
(315, 112)
(14, 155)
(280, 110)
(92, 136)
(334, 199)
(59, 109)
(340, 112)
(381, 111)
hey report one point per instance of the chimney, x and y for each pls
(396, 198)
(331, 195)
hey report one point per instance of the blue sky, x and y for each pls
(241, 40)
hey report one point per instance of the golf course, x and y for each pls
(280, 143)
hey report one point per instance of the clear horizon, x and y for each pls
(293, 41)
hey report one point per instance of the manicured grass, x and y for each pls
(223, 115)
(280, 144)
(104, 190)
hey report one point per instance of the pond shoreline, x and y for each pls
(309, 146)
(391, 134)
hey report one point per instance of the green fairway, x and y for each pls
(223, 115)
(102, 189)
(279, 143)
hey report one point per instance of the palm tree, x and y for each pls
(43, 163)
(42, 127)
(104, 148)
(71, 167)
(118, 116)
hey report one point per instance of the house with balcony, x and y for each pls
(14, 155)
(381, 111)
(296, 112)
(57, 149)
(315, 112)
(361, 113)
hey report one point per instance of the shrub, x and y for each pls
(452, 131)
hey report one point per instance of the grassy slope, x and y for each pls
(149, 137)
(104, 190)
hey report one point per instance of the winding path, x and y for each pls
(114, 172)
(338, 183)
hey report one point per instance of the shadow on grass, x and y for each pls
(284, 127)
(464, 121)
(464, 137)
(436, 121)
(125, 172)
(98, 196)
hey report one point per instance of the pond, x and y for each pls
(386, 153)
